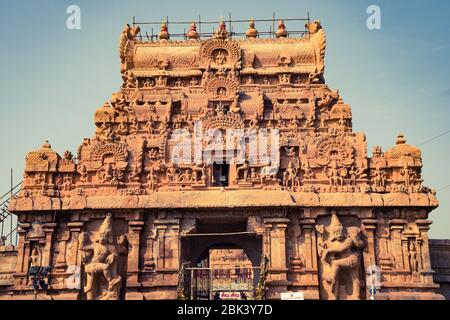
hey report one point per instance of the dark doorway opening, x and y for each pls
(221, 174)
(221, 260)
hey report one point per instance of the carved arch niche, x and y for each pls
(220, 53)
(114, 153)
(222, 89)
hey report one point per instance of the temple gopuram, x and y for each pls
(223, 167)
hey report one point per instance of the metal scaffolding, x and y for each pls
(205, 25)
(8, 221)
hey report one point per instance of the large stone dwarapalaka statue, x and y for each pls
(341, 260)
(100, 260)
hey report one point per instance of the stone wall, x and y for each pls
(439, 250)
(8, 258)
(440, 262)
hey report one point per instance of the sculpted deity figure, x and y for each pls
(285, 79)
(107, 173)
(235, 108)
(199, 172)
(160, 82)
(334, 174)
(153, 173)
(150, 126)
(289, 176)
(193, 82)
(172, 173)
(379, 178)
(221, 92)
(35, 257)
(356, 173)
(149, 82)
(134, 125)
(342, 123)
(129, 79)
(308, 172)
(340, 255)
(83, 173)
(295, 123)
(254, 122)
(407, 173)
(123, 128)
(179, 83)
(220, 57)
(206, 75)
(100, 260)
(412, 253)
(67, 183)
(222, 32)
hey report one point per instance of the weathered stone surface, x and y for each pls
(140, 200)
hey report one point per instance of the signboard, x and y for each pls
(292, 296)
(230, 296)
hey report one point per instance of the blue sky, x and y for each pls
(395, 79)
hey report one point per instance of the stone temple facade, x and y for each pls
(231, 144)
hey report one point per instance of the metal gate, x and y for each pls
(217, 284)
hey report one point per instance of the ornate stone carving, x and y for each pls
(220, 52)
(100, 259)
(272, 87)
(340, 255)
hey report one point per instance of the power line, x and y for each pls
(444, 188)
(435, 138)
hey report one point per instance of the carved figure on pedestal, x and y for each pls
(199, 173)
(412, 254)
(289, 176)
(340, 257)
(83, 173)
(379, 178)
(308, 172)
(334, 174)
(35, 257)
(100, 260)
(407, 173)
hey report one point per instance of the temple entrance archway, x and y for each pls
(220, 265)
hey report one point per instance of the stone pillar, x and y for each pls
(164, 281)
(275, 249)
(73, 259)
(49, 230)
(397, 226)
(310, 274)
(23, 253)
(168, 244)
(369, 256)
(75, 229)
(61, 263)
(310, 243)
(134, 240)
(424, 227)
(160, 240)
(370, 226)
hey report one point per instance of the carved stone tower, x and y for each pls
(225, 143)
